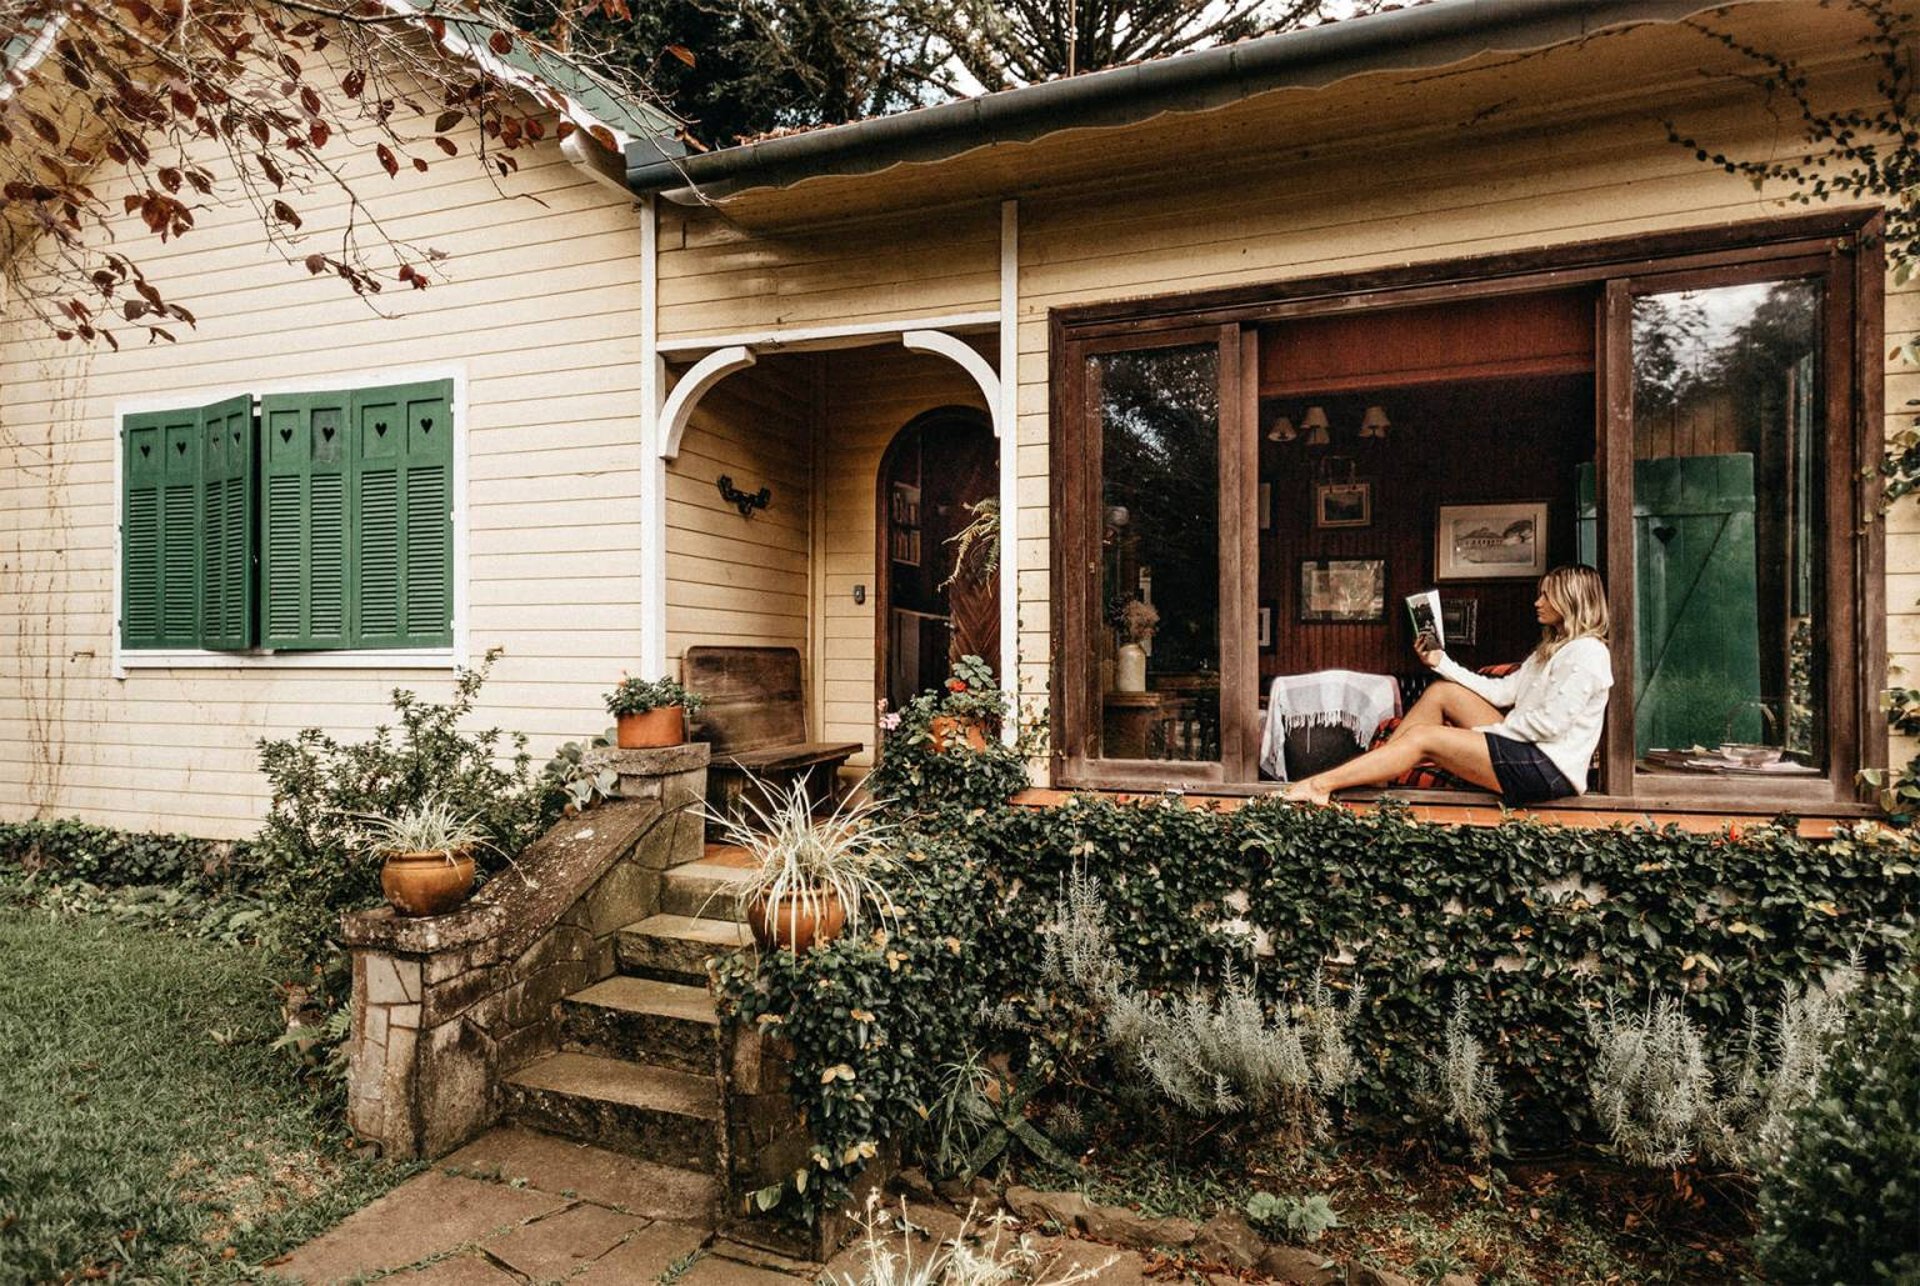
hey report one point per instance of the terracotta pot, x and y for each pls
(426, 883)
(944, 727)
(798, 927)
(665, 726)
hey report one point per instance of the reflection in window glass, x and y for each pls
(1158, 637)
(1728, 527)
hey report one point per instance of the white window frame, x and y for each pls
(437, 659)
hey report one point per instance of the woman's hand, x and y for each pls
(1429, 649)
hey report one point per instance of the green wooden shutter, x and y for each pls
(226, 525)
(305, 581)
(403, 511)
(142, 533)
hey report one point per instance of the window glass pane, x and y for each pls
(1158, 637)
(1729, 467)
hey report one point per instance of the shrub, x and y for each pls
(920, 779)
(101, 855)
(1461, 1090)
(1842, 1201)
(310, 845)
(1656, 1088)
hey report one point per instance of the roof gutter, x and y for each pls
(1429, 35)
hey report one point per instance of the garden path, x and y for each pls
(515, 1206)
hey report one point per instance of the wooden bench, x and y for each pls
(755, 718)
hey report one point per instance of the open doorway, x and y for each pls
(933, 606)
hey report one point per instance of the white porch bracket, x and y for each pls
(963, 355)
(704, 374)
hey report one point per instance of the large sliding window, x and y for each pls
(1690, 414)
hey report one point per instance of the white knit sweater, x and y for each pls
(1558, 705)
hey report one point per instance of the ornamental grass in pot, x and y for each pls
(650, 713)
(812, 877)
(428, 856)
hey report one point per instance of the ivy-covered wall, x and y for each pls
(1538, 927)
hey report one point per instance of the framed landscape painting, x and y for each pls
(1343, 590)
(1491, 542)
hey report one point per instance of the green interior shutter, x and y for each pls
(305, 575)
(403, 510)
(226, 526)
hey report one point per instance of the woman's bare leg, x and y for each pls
(1461, 751)
(1447, 704)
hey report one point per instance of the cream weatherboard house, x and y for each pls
(1262, 338)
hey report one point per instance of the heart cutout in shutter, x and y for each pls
(286, 435)
(1665, 534)
(426, 424)
(236, 435)
(380, 427)
(145, 450)
(327, 433)
(181, 447)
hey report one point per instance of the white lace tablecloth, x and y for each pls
(1348, 699)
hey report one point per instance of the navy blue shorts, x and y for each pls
(1525, 773)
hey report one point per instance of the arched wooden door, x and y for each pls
(930, 611)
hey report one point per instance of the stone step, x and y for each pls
(644, 1020)
(703, 888)
(676, 948)
(662, 1115)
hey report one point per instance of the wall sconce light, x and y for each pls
(1315, 423)
(1374, 424)
(1281, 430)
(745, 501)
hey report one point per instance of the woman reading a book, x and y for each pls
(1540, 748)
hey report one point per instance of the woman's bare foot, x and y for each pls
(1306, 792)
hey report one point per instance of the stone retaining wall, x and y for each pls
(444, 1006)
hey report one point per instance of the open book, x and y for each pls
(1424, 608)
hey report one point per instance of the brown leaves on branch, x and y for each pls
(178, 109)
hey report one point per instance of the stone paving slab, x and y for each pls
(643, 1257)
(712, 1270)
(566, 1168)
(427, 1215)
(560, 1244)
(473, 1269)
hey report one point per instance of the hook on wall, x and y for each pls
(745, 501)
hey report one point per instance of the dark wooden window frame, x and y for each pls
(1843, 247)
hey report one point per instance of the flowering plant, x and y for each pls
(638, 696)
(1138, 620)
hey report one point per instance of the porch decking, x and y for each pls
(1472, 812)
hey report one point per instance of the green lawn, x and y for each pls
(147, 1128)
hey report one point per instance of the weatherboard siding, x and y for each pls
(540, 321)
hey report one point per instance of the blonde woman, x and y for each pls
(1554, 705)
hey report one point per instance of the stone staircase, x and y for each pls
(642, 1064)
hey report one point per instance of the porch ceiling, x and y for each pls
(1324, 110)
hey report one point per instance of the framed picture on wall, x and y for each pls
(1491, 542)
(1266, 628)
(1343, 504)
(1343, 590)
(1460, 620)
(1266, 506)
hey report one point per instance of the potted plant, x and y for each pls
(649, 713)
(428, 852)
(969, 704)
(811, 876)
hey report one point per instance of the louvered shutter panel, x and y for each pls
(226, 524)
(305, 575)
(142, 533)
(403, 509)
